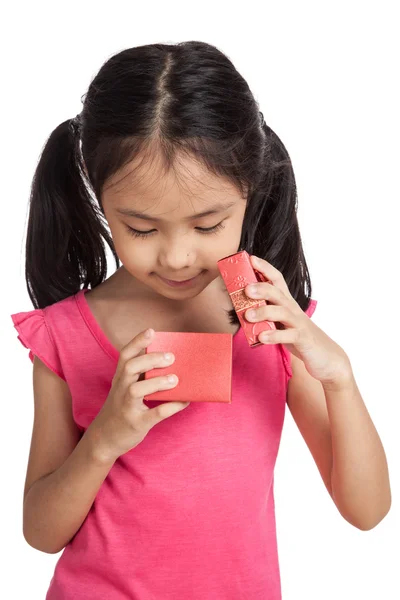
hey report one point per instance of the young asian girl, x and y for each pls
(171, 164)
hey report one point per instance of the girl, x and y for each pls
(170, 500)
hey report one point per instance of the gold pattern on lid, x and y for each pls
(241, 302)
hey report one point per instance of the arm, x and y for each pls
(360, 477)
(64, 472)
(56, 505)
(331, 417)
(344, 443)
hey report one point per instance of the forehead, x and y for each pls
(188, 187)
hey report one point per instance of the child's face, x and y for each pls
(175, 249)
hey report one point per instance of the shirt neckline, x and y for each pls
(100, 335)
(93, 325)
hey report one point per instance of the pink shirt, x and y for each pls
(189, 513)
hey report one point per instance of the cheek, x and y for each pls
(223, 245)
(138, 258)
(231, 240)
(134, 254)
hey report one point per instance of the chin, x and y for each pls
(179, 296)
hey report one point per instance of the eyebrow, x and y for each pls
(142, 215)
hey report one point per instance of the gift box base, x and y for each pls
(203, 365)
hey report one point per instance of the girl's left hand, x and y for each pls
(323, 358)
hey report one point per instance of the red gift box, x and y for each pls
(203, 365)
(237, 272)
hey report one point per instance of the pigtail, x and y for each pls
(64, 245)
(271, 228)
(180, 106)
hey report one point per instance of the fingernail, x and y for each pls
(148, 333)
(252, 289)
(251, 314)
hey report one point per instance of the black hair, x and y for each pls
(169, 98)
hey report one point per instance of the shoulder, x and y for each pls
(38, 330)
(35, 334)
(311, 307)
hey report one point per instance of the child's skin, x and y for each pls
(323, 396)
(176, 250)
(327, 408)
(131, 301)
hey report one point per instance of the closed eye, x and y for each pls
(204, 230)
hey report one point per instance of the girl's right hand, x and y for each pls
(124, 420)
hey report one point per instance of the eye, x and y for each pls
(144, 234)
(137, 234)
(213, 229)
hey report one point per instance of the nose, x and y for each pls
(175, 257)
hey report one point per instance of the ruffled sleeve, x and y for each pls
(34, 334)
(311, 307)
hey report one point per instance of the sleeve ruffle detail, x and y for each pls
(34, 334)
(311, 307)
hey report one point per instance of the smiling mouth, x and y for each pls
(179, 282)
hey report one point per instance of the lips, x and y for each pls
(180, 282)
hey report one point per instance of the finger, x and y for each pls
(279, 336)
(145, 362)
(265, 291)
(137, 391)
(152, 416)
(270, 313)
(270, 272)
(133, 348)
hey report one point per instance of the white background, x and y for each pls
(326, 77)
